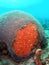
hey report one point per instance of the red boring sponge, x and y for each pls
(25, 40)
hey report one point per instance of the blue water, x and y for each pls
(37, 8)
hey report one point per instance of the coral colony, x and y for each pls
(22, 34)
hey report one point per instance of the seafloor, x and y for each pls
(45, 55)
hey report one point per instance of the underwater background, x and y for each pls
(37, 8)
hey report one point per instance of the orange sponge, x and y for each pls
(25, 40)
